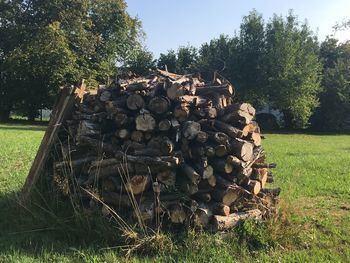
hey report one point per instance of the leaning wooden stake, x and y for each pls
(61, 109)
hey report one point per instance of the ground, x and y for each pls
(313, 223)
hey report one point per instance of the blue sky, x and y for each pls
(170, 24)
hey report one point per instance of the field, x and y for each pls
(313, 224)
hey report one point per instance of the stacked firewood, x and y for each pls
(166, 146)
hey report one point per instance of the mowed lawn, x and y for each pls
(313, 223)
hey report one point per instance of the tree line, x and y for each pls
(279, 62)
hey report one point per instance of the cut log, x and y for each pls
(221, 165)
(204, 197)
(182, 112)
(123, 134)
(226, 196)
(191, 129)
(164, 125)
(135, 102)
(137, 136)
(243, 113)
(145, 122)
(254, 186)
(138, 184)
(221, 150)
(242, 149)
(225, 89)
(159, 105)
(177, 214)
(220, 209)
(222, 223)
(202, 137)
(228, 129)
(167, 177)
(190, 173)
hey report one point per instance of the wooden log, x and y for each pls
(222, 223)
(167, 177)
(241, 149)
(202, 137)
(221, 150)
(196, 101)
(218, 137)
(177, 214)
(255, 138)
(228, 129)
(177, 90)
(243, 113)
(137, 184)
(254, 187)
(159, 105)
(123, 134)
(202, 216)
(190, 129)
(226, 196)
(182, 112)
(219, 103)
(135, 102)
(225, 89)
(137, 136)
(220, 209)
(186, 185)
(190, 173)
(145, 211)
(205, 172)
(164, 125)
(204, 197)
(221, 165)
(234, 161)
(74, 164)
(145, 122)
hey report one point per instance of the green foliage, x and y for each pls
(167, 61)
(45, 44)
(293, 69)
(140, 61)
(181, 62)
(335, 99)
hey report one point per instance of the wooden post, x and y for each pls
(61, 109)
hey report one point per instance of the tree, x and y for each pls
(250, 78)
(140, 61)
(217, 56)
(335, 99)
(293, 69)
(169, 60)
(186, 57)
(77, 39)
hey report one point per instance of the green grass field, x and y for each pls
(313, 225)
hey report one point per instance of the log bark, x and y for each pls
(228, 129)
(191, 129)
(242, 149)
(222, 223)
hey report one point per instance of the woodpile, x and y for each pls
(165, 146)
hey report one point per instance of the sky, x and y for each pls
(169, 24)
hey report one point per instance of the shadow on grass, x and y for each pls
(38, 228)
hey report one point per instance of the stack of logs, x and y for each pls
(166, 146)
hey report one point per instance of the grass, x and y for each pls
(313, 225)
